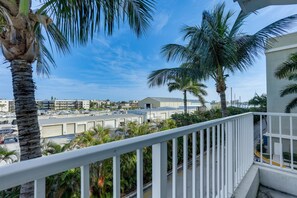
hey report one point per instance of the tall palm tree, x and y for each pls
(24, 31)
(218, 47)
(288, 70)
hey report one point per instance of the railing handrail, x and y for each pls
(38, 168)
(275, 114)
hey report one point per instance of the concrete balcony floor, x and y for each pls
(265, 192)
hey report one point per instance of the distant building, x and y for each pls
(7, 106)
(157, 102)
(63, 104)
(75, 125)
(99, 103)
(163, 113)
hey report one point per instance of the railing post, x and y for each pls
(159, 162)
(116, 177)
(185, 165)
(230, 163)
(39, 188)
(85, 181)
(252, 133)
(139, 173)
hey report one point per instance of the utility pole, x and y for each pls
(231, 97)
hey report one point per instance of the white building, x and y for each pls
(157, 102)
(159, 114)
(74, 125)
(63, 104)
(7, 106)
(275, 56)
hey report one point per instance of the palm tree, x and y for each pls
(186, 84)
(288, 70)
(218, 47)
(63, 22)
(260, 101)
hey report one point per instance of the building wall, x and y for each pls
(59, 129)
(7, 106)
(154, 103)
(275, 56)
(4, 105)
(173, 104)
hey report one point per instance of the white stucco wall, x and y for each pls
(275, 56)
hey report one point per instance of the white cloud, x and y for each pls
(160, 21)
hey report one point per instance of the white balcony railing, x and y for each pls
(277, 135)
(226, 153)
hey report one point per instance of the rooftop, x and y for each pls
(83, 119)
(163, 99)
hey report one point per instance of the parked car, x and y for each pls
(9, 140)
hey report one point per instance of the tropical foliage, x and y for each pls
(67, 184)
(288, 71)
(7, 156)
(259, 101)
(218, 47)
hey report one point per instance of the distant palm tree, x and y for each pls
(186, 84)
(260, 101)
(7, 156)
(288, 70)
(218, 47)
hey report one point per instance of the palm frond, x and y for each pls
(291, 105)
(172, 86)
(201, 99)
(54, 38)
(177, 52)
(79, 20)
(292, 76)
(162, 76)
(239, 22)
(44, 57)
(289, 89)
(266, 36)
(287, 68)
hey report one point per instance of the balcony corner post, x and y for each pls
(159, 176)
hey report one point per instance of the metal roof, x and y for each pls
(83, 119)
(163, 99)
(137, 111)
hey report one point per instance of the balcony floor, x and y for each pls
(270, 193)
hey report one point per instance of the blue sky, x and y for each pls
(116, 67)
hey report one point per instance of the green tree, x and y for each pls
(260, 101)
(188, 85)
(185, 84)
(288, 70)
(7, 156)
(218, 47)
(63, 22)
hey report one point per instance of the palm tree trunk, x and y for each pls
(185, 102)
(26, 114)
(223, 104)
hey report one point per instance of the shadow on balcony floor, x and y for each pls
(270, 193)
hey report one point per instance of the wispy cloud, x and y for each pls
(160, 21)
